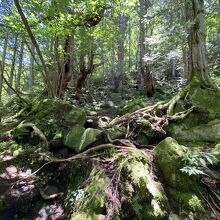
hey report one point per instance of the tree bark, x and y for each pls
(31, 71)
(34, 42)
(3, 61)
(86, 70)
(11, 76)
(120, 74)
(20, 65)
(66, 75)
(195, 14)
(144, 68)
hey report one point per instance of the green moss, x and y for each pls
(206, 99)
(209, 132)
(149, 200)
(86, 216)
(216, 151)
(167, 154)
(132, 106)
(93, 200)
(10, 146)
(76, 116)
(78, 138)
(191, 205)
(116, 132)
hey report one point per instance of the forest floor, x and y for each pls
(33, 188)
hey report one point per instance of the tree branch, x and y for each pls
(30, 33)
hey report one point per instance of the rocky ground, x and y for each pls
(104, 160)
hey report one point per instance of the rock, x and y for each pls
(205, 99)
(184, 190)
(191, 204)
(132, 106)
(216, 151)
(145, 193)
(78, 138)
(53, 117)
(209, 132)
(116, 132)
(92, 202)
(167, 155)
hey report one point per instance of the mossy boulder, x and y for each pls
(87, 216)
(91, 203)
(116, 132)
(167, 154)
(142, 189)
(132, 106)
(209, 132)
(53, 117)
(78, 138)
(206, 100)
(192, 205)
(216, 151)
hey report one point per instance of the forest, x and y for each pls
(109, 109)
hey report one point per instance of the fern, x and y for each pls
(194, 163)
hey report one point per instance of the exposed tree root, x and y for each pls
(13, 119)
(36, 130)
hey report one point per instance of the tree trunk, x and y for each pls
(3, 61)
(31, 71)
(145, 68)
(86, 70)
(120, 75)
(66, 75)
(20, 65)
(185, 63)
(198, 66)
(11, 76)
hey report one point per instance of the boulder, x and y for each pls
(167, 155)
(78, 138)
(216, 151)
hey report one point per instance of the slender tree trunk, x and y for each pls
(185, 63)
(3, 61)
(31, 70)
(173, 68)
(11, 76)
(45, 72)
(197, 41)
(20, 66)
(129, 45)
(68, 65)
(86, 70)
(145, 68)
(120, 75)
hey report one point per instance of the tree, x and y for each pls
(198, 67)
(144, 68)
(3, 61)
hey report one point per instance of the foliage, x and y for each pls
(195, 162)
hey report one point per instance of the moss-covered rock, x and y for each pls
(116, 132)
(216, 151)
(141, 188)
(132, 106)
(191, 204)
(53, 117)
(78, 138)
(209, 132)
(167, 154)
(91, 203)
(206, 100)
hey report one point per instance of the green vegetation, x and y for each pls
(109, 109)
